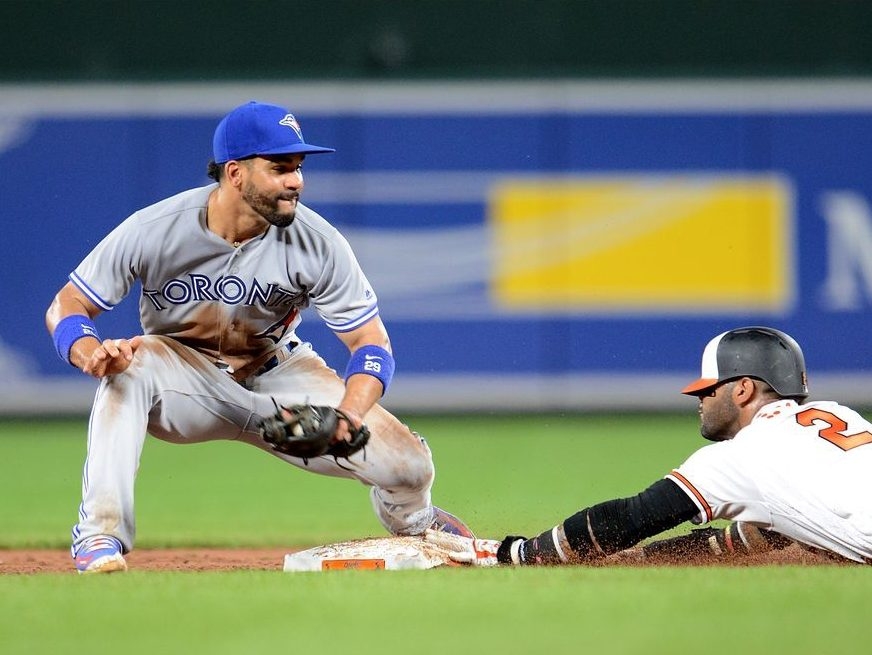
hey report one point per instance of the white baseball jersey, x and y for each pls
(236, 305)
(804, 471)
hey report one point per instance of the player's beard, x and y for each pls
(268, 206)
(720, 419)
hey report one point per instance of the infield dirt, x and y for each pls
(37, 561)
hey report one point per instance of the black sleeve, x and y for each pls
(603, 529)
(618, 524)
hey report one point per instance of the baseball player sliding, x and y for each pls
(784, 470)
(226, 272)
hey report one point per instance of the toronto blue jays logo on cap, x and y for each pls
(292, 123)
(257, 128)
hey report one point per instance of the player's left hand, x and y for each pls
(348, 426)
(633, 555)
(465, 550)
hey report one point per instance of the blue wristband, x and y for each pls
(374, 361)
(70, 330)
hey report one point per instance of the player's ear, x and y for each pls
(749, 389)
(744, 390)
(233, 172)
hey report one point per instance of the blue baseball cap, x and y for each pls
(256, 128)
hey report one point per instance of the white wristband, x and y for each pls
(513, 551)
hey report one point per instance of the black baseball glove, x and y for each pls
(308, 432)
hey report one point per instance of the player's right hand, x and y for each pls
(465, 550)
(111, 357)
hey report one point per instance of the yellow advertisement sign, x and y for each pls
(642, 243)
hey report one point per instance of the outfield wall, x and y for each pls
(534, 245)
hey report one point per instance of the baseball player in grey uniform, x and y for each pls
(783, 470)
(226, 272)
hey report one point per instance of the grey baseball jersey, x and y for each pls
(803, 470)
(209, 308)
(236, 305)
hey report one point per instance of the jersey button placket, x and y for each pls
(233, 265)
(233, 269)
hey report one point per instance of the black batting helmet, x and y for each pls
(755, 352)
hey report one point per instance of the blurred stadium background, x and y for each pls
(558, 201)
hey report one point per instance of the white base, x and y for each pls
(389, 553)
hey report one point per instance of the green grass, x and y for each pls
(501, 473)
(791, 610)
